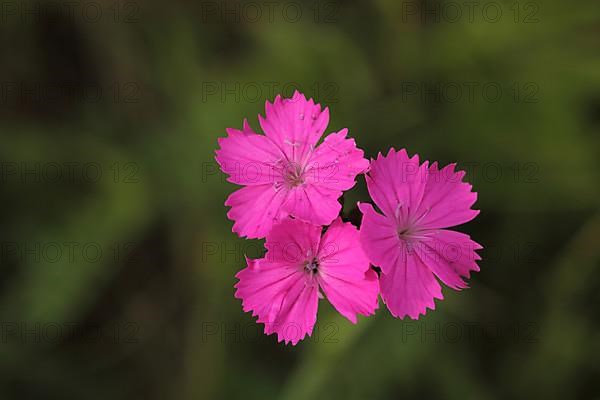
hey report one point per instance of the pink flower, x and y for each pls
(408, 242)
(284, 171)
(282, 288)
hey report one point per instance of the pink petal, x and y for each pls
(410, 288)
(395, 180)
(276, 293)
(450, 255)
(298, 314)
(263, 281)
(248, 158)
(336, 162)
(292, 241)
(313, 203)
(447, 200)
(344, 272)
(255, 209)
(294, 124)
(379, 238)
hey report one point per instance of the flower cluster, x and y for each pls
(290, 196)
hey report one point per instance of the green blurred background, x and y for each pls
(118, 261)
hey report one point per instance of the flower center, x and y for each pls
(294, 175)
(312, 266)
(409, 228)
(413, 234)
(404, 233)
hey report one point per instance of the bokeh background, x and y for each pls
(117, 258)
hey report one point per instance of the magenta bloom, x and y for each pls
(408, 242)
(282, 288)
(284, 171)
